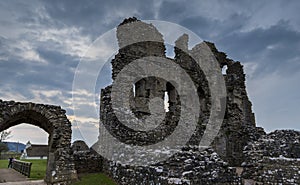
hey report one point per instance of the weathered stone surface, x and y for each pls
(274, 158)
(238, 126)
(189, 166)
(79, 145)
(52, 119)
(86, 160)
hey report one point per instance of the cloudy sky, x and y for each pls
(42, 42)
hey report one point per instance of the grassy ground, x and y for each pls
(38, 171)
(38, 168)
(3, 163)
(95, 179)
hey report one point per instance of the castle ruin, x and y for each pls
(234, 156)
(238, 127)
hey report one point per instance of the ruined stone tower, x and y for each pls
(239, 124)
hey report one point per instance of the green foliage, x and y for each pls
(3, 136)
(3, 147)
(8, 154)
(95, 179)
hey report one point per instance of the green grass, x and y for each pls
(3, 163)
(95, 179)
(38, 168)
(38, 171)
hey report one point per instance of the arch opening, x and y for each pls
(28, 143)
(26, 135)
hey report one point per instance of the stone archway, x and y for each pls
(52, 119)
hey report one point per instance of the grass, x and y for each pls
(38, 168)
(95, 179)
(38, 171)
(3, 163)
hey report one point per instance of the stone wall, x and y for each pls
(87, 162)
(79, 145)
(239, 125)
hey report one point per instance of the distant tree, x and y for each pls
(3, 148)
(4, 135)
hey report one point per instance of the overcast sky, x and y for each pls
(41, 43)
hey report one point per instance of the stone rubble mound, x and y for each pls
(190, 166)
(274, 158)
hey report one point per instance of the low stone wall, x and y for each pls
(87, 162)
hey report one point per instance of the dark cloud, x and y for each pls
(64, 61)
(57, 72)
(214, 29)
(167, 9)
(95, 17)
(273, 48)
